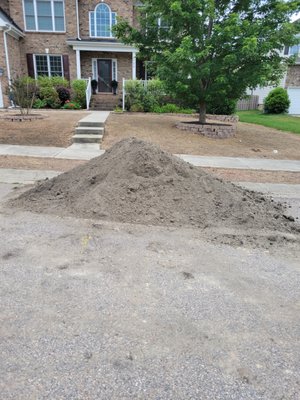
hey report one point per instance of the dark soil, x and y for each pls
(137, 182)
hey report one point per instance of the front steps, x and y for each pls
(91, 128)
(105, 102)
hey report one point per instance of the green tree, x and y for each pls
(213, 49)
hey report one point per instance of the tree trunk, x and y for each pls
(202, 112)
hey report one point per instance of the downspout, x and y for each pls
(6, 55)
(77, 19)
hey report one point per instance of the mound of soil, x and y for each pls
(137, 182)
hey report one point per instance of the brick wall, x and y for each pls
(14, 54)
(293, 76)
(4, 4)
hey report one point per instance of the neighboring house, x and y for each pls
(291, 82)
(70, 38)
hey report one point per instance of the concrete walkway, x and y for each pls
(77, 151)
(87, 151)
(243, 163)
(30, 176)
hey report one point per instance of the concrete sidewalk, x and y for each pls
(243, 163)
(88, 151)
(76, 151)
(30, 176)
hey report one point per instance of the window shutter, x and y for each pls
(286, 50)
(30, 65)
(66, 66)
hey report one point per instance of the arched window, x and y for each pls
(101, 21)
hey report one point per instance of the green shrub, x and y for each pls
(149, 101)
(221, 106)
(172, 108)
(277, 101)
(134, 93)
(145, 98)
(79, 95)
(71, 105)
(39, 103)
(53, 81)
(137, 107)
(50, 96)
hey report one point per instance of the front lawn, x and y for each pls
(250, 140)
(282, 122)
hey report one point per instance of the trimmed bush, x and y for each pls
(172, 109)
(145, 98)
(221, 106)
(50, 96)
(277, 101)
(53, 81)
(137, 107)
(39, 103)
(79, 88)
(64, 94)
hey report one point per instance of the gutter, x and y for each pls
(77, 19)
(5, 31)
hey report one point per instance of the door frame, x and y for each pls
(114, 71)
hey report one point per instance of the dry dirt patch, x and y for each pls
(56, 129)
(250, 141)
(137, 182)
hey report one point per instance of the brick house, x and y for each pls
(70, 38)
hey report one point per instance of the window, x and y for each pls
(295, 50)
(48, 65)
(101, 21)
(44, 15)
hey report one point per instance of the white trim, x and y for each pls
(133, 65)
(77, 19)
(52, 17)
(101, 46)
(78, 64)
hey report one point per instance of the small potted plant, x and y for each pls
(94, 85)
(114, 85)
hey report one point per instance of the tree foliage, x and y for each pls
(213, 49)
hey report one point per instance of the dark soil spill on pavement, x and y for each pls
(137, 182)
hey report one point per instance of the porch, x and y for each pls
(104, 61)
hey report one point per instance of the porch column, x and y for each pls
(133, 65)
(78, 66)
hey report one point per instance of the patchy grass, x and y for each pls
(281, 122)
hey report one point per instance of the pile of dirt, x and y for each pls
(137, 182)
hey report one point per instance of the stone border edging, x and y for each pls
(215, 131)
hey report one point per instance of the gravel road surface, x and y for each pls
(107, 311)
